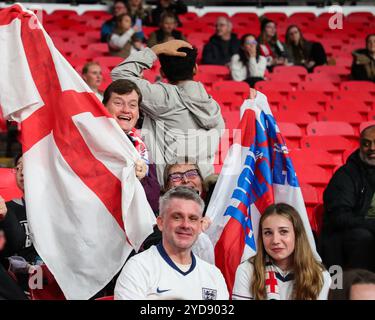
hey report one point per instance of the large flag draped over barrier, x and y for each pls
(257, 172)
(86, 209)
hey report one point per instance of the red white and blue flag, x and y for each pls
(257, 172)
(86, 209)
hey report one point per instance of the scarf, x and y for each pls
(272, 287)
(139, 145)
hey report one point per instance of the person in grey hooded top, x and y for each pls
(180, 118)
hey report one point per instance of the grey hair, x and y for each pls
(180, 192)
(226, 19)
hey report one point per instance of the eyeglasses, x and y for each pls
(178, 176)
(251, 42)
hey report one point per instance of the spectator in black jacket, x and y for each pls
(175, 7)
(303, 52)
(348, 234)
(363, 67)
(222, 45)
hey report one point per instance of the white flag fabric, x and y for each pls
(257, 172)
(86, 209)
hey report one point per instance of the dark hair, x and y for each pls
(167, 14)
(350, 278)
(262, 37)
(179, 68)
(87, 66)
(121, 86)
(368, 37)
(242, 53)
(372, 126)
(17, 157)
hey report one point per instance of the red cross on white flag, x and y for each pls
(85, 207)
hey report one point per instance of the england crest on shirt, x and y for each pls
(209, 294)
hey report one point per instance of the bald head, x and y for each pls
(367, 145)
(223, 28)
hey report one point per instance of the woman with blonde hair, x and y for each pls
(284, 267)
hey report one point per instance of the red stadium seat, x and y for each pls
(312, 174)
(207, 79)
(326, 87)
(188, 17)
(8, 185)
(332, 143)
(291, 133)
(240, 88)
(227, 100)
(306, 105)
(199, 36)
(109, 62)
(291, 70)
(301, 16)
(311, 199)
(99, 47)
(282, 87)
(313, 96)
(354, 118)
(327, 128)
(292, 79)
(221, 71)
(348, 105)
(96, 15)
(301, 118)
(362, 86)
(317, 157)
(323, 77)
(62, 14)
(276, 16)
(340, 70)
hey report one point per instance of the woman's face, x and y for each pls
(270, 29)
(250, 43)
(294, 35)
(126, 23)
(278, 239)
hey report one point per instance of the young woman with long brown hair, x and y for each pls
(284, 267)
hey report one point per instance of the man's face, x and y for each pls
(19, 173)
(168, 25)
(180, 224)
(185, 175)
(367, 147)
(223, 28)
(371, 44)
(93, 77)
(125, 109)
(119, 8)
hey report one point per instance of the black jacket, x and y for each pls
(9, 289)
(363, 67)
(219, 52)
(348, 197)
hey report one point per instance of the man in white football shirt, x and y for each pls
(170, 270)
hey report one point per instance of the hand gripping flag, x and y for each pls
(257, 172)
(86, 209)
